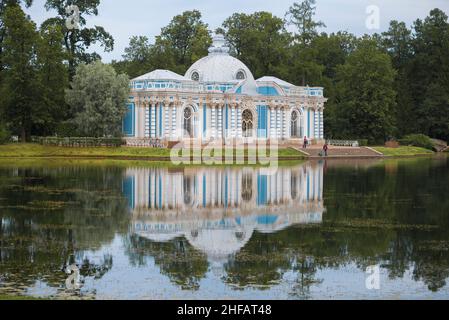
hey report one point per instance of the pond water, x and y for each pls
(314, 230)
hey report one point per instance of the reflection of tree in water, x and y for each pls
(402, 203)
(373, 216)
(97, 271)
(52, 215)
(267, 257)
(260, 263)
(177, 259)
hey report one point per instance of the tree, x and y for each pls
(328, 53)
(301, 16)
(397, 42)
(52, 77)
(4, 133)
(260, 41)
(428, 73)
(3, 5)
(78, 40)
(366, 95)
(98, 99)
(139, 49)
(137, 58)
(20, 87)
(185, 40)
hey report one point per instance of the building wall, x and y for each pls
(221, 117)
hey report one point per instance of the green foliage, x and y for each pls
(53, 79)
(365, 94)
(66, 129)
(260, 41)
(185, 40)
(403, 151)
(301, 16)
(19, 87)
(417, 140)
(34, 78)
(138, 57)
(370, 97)
(98, 100)
(420, 56)
(3, 5)
(363, 142)
(5, 136)
(78, 40)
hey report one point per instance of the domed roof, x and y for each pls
(218, 243)
(219, 66)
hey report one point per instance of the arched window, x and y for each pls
(241, 75)
(296, 129)
(188, 121)
(195, 76)
(247, 123)
(294, 125)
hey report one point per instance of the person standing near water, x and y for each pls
(325, 148)
(304, 146)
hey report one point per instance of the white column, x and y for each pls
(268, 122)
(147, 121)
(220, 121)
(167, 125)
(284, 123)
(153, 120)
(179, 116)
(239, 121)
(278, 124)
(213, 121)
(306, 122)
(321, 124)
(232, 121)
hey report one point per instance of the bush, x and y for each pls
(363, 142)
(66, 129)
(417, 140)
(5, 136)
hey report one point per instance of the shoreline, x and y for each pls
(36, 151)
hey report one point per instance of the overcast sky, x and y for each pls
(126, 18)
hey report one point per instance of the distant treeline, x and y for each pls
(379, 86)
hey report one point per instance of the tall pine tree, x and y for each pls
(20, 88)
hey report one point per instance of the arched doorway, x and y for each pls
(296, 127)
(247, 123)
(188, 122)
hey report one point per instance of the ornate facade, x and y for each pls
(218, 98)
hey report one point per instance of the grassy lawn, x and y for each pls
(403, 151)
(36, 150)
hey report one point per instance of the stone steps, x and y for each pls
(314, 152)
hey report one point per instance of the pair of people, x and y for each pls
(325, 147)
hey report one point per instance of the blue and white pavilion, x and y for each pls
(218, 98)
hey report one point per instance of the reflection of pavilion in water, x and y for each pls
(217, 210)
